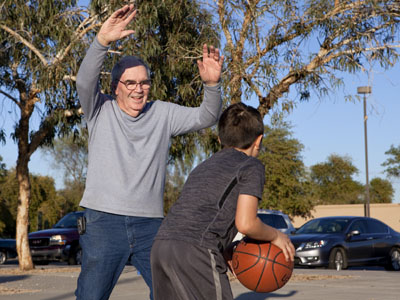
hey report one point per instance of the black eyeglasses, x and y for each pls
(132, 85)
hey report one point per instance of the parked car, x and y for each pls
(273, 218)
(8, 250)
(340, 242)
(60, 243)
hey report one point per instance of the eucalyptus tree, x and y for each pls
(302, 46)
(41, 49)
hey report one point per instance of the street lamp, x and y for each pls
(365, 90)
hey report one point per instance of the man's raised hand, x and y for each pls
(211, 66)
(113, 28)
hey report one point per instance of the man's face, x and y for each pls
(132, 101)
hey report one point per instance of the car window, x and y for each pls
(267, 219)
(323, 226)
(374, 226)
(359, 225)
(279, 222)
(276, 221)
(68, 221)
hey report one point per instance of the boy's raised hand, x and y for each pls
(113, 28)
(283, 241)
(211, 65)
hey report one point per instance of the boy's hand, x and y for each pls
(227, 254)
(283, 241)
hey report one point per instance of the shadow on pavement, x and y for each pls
(4, 279)
(263, 296)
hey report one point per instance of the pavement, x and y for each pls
(58, 282)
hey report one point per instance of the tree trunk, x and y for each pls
(24, 255)
(24, 185)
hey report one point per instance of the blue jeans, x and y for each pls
(107, 245)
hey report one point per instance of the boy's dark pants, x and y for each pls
(183, 271)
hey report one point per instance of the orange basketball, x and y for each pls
(261, 266)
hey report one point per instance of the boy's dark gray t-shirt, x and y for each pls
(204, 214)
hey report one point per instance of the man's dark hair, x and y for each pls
(239, 126)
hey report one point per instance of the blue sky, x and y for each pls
(323, 126)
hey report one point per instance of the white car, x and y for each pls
(273, 218)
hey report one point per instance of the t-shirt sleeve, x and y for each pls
(251, 178)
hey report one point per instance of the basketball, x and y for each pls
(261, 266)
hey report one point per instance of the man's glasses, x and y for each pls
(132, 85)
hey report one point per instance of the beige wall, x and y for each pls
(388, 213)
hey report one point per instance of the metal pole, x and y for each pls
(367, 212)
(365, 90)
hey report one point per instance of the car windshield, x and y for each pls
(324, 226)
(68, 221)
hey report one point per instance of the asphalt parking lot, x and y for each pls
(58, 282)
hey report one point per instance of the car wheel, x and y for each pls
(76, 257)
(394, 260)
(337, 259)
(3, 257)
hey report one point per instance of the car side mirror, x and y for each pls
(353, 233)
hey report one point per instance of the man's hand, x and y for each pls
(113, 28)
(283, 242)
(211, 65)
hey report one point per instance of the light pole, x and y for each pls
(365, 90)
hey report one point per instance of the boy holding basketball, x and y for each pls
(219, 198)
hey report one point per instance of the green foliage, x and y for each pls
(286, 188)
(392, 164)
(334, 181)
(43, 193)
(381, 191)
(7, 221)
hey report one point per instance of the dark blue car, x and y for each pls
(8, 250)
(340, 242)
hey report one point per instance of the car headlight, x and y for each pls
(312, 245)
(58, 239)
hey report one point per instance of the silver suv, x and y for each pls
(273, 218)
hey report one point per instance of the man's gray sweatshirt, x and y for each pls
(128, 155)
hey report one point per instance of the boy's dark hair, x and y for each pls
(239, 126)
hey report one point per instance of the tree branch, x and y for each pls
(13, 99)
(76, 36)
(26, 43)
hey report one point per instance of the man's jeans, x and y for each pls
(107, 245)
